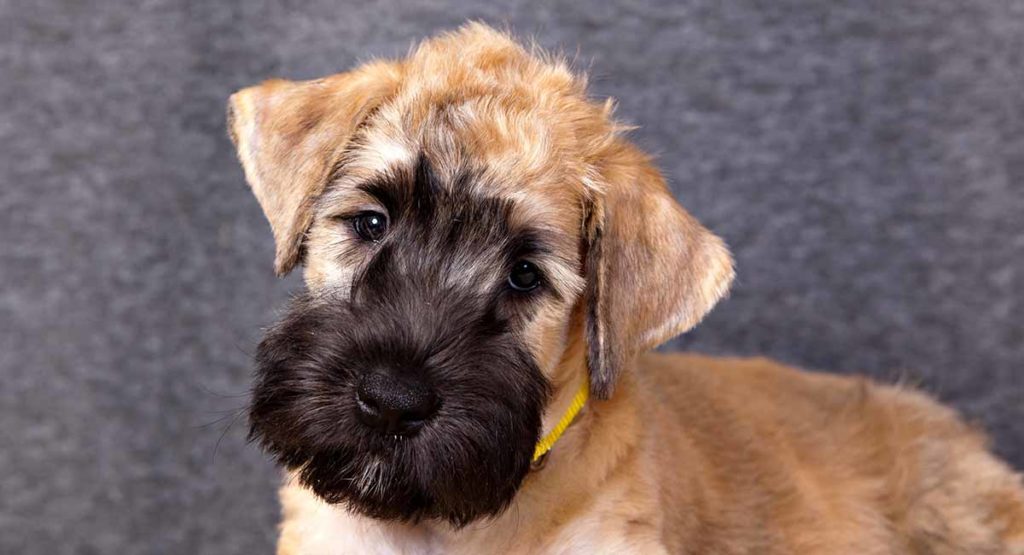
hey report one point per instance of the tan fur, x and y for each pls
(690, 454)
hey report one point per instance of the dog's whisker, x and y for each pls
(238, 413)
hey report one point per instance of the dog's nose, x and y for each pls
(393, 405)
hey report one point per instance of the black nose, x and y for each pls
(394, 405)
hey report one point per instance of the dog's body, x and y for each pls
(479, 241)
(716, 455)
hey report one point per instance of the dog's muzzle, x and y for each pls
(400, 418)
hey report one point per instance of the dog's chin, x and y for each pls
(411, 479)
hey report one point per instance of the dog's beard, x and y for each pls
(466, 463)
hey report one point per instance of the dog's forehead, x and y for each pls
(540, 188)
(476, 101)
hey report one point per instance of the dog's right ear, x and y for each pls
(653, 271)
(289, 135)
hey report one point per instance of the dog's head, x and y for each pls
(477, 238)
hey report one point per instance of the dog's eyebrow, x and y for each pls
(393, 187)
(384, 191)
(527, 242)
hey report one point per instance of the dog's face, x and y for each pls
(404, 382)
(477, 238)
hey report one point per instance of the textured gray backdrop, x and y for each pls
(865, 161)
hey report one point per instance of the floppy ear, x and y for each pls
(652, 270)
(289, 135)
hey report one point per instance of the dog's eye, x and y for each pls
(370, 226)
(524, 276)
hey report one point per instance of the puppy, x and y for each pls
(487, 261)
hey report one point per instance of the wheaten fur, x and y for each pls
(673, 453)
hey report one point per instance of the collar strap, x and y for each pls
(545, 445)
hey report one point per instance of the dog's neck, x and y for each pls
(566, 377)
(560, 416)
(573, 471)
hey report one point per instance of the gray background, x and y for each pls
(865, 161)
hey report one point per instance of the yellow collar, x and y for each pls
(545, 445)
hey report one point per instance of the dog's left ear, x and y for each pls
(652, 270)
(289, 135)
